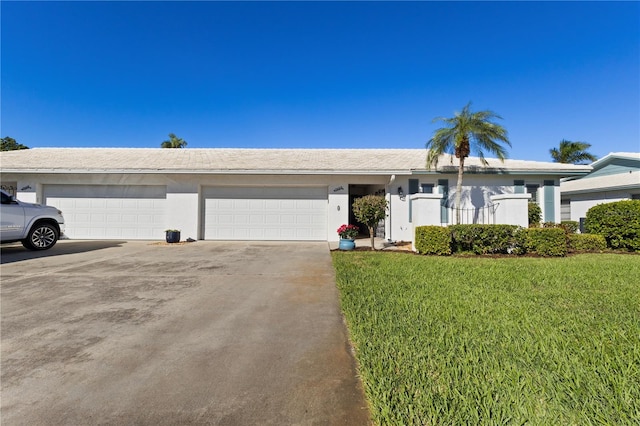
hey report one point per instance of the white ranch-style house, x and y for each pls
(614, 177)
(270, 194)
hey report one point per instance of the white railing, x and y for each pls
(485, 215)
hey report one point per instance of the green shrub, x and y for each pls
(433, 240)
(370, 210)
(617, 222)
(569, 226)
(483, 239)
(546, 241)
(520, 241)
(535, 214)
(586, 242)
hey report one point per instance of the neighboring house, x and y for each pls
(269, 194)
(614, 177)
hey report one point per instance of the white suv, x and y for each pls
(38, 227)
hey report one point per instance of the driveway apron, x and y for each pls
(122, 333)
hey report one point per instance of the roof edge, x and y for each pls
(601, 189)
(208, 172)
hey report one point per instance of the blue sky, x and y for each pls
(318, 74)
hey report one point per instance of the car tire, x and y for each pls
(42, 236)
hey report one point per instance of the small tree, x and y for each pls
(370, 210)
(10, 144)
(535, 214)
(173, 142)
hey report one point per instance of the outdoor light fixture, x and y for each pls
(400, 192)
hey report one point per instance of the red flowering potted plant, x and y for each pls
(347, 233)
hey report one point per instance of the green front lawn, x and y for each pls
(495, 341)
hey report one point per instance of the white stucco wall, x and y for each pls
(28, 191)
(581, 203)
(182, 209)
(398, 227)
(184, 206)
(425, 209)
(338, 209)
(512, 209)
(184, 203)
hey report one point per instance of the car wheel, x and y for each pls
(42, 236)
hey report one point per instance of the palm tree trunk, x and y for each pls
(459, 189)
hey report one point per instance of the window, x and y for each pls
(565, 209)
(532, 188)
(413, 186)
(443, 188)
(518, 187)
(10, 188)
(426, 188)
(6, 199)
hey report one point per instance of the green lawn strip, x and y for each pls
(495, 341)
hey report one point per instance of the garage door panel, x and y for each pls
(271, 219)
(269, 213)
(256, 220)
(110, 211)
(272, 204)
(223, 204)
(316, 220)
(128, 218)
(97, 217)
(80, 204)
(131, 204)
(113, 204)
(115, 219)
(80, 217)
(257, 234)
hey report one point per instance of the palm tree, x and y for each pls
(173, 142)
(572, 153)
(466, 132)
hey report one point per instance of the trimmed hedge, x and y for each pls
(569, 226)
(586, 242)
(546, 241)
(433, 240)
(618, 222)
(504, 239)
(483, 239)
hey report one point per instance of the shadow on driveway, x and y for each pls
(16, 252)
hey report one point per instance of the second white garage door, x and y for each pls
(110, 211)
(268, 213)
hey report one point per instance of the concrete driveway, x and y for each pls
(144, 333)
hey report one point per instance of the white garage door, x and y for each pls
(269, 213)
(110, 211)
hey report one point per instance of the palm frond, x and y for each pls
(572, 152)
